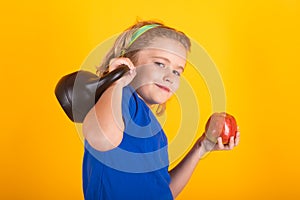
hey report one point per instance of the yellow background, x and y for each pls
(255, 45)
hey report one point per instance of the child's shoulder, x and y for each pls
(133, 106)
(129, 94)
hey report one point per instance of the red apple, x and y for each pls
(221, 125)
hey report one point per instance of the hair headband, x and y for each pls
(138, 33)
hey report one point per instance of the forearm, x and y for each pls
(182, 173)
(109, 108)
(103, 126)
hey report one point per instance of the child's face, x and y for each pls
(159, 67)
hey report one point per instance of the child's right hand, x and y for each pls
(128, 77)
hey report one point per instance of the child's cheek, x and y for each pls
(143, 76)
(175, 85)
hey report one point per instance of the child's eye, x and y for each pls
(176, 73)
(160, 64)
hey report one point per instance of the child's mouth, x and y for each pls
(163, 87)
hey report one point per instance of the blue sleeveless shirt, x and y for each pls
(138, 168)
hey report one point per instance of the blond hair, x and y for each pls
(121, 47)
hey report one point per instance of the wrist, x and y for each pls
(199, 147)
(205, 146)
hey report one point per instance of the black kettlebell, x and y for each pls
(78, 92)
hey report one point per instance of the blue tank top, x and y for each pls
(138, 168)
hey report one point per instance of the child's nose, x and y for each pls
(168, 76)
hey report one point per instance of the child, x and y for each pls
(126, 153)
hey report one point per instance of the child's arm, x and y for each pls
(103, 126)
(181, 174)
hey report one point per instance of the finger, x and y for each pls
(116, 62)
(237, 138)
(231, 142)
(127, 78)
(130, 64)
(132, 72)
(112, 61)
(126, 61)
(220, 143)
(113, 64)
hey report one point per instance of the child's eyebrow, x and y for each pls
(167, 60)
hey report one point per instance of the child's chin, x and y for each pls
(162, 101)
